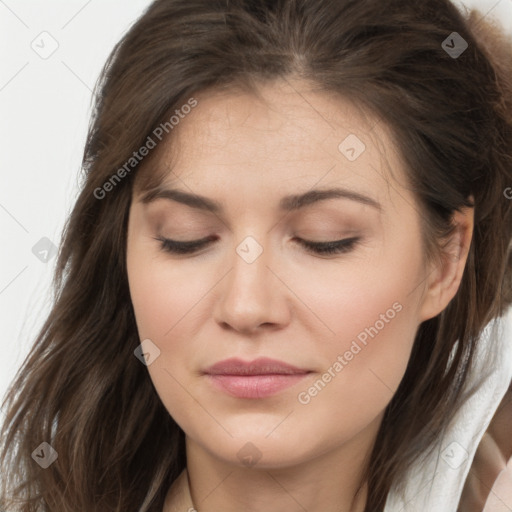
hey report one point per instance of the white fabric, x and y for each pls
(436, 485)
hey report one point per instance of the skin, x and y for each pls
(288, 304)
(493, 456)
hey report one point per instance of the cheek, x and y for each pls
(163, 299)
(376, 313)
(369, 318)
(371, 299)
(365, 361)
(162, 293)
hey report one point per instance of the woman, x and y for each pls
(271, 292)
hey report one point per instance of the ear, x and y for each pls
(444, 278)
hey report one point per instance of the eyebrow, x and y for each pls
(287, 203)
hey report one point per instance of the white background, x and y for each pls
(45, 107)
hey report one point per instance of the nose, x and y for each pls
(252, 296)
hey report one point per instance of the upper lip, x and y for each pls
(260, 366)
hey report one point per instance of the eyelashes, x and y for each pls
(172, 246)
(321, 248)
(335, 247)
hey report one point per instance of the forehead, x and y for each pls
(286, 137)
(285, 122)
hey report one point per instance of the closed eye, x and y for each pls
(335, 247)
(188, 247)
(324, 248)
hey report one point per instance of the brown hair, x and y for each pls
(82, 390)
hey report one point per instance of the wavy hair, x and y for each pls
(82, 390)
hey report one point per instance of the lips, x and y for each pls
(260, 378)
(260, 366)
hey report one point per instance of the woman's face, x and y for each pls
(345, 321)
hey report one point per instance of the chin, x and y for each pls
(259, 451)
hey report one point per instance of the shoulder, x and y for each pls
(491, 457)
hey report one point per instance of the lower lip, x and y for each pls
(254, 386)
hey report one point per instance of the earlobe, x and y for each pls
(445, 276)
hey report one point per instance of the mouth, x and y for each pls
(255, 379)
